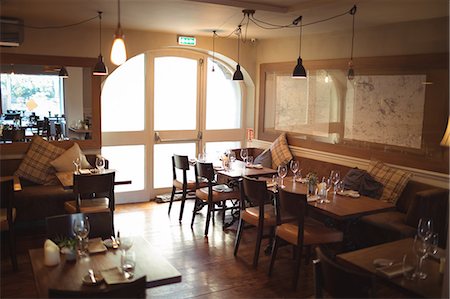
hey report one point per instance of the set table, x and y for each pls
(66, 178)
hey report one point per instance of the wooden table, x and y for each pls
(17, 185)
(362, 259)
(68, 275)
(66, 178)
(239, 170)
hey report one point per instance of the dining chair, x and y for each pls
(134, 289)
(212, 195)
(61, 226)
(339, 281)
(8, 217)
(304, 231)
(94, 193)
(185, 186)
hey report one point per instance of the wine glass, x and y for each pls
(244, 154)
(294, 168)
(81, 228)
(424, 228)
(421, 248)
(100, 163)
(232, 156)
(77, 163)
(282, 172)
(335, 180)
(434, 244)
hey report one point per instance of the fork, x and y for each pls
(92, 276)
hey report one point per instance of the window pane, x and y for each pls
(223, 99)
(175, 93)
(215, 149)
(123, 97)
(132, 168)
(162, 162)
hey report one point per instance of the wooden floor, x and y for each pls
(207, 265)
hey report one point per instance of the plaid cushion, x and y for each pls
(393, 180)
(36, 165)
(280, 151)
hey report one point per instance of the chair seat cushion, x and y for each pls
(179, 185)
(202, 194)
(251, 215)
(88, 205)
(392, 221)
(4, 225)
(315, 232)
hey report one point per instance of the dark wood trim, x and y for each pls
(436, 68)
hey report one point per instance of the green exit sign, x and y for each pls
(187, 40)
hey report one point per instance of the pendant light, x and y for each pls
(100, 68)
(237, 76)
(214, 51)
(63, 72)
(351, 71)
(118, 51)
(299, 70)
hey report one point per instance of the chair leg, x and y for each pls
(12, 249)
(208, 217)
(258, 246)
(194, 211)
(224, 208)
(274, 254)
(297, 263)
(238, 236)
(171, 199)
(183, 200)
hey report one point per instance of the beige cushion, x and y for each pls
(65, 161)
(393, 180)
(280, 151)
(36, 165)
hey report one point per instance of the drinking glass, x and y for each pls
(250, 160)
(420, 248)
(434, 241)
(128, 263)
(294, 168)
(244, 154)
(282, 172)
(232, 156)
(100, 163)
(125, 243)
(408, 265)
(81, 228)
(424, 228)
(335, 180)
(77, 163)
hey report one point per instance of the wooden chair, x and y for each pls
(212, 195)
(61, 226)
(94, 193)
(338, 281)
(260, 213)
(185, 186)
(8, 216)
(304, 231)
(134, 289)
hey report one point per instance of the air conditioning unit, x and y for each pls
(11, 32)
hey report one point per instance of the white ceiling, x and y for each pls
(200, 17)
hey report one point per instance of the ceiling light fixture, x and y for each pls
(237, 76)
(118, 51)
(63, 72)
(351, 71)
(100, 68)
(214, 50)
(299, 70)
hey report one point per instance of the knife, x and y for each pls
(92, 276)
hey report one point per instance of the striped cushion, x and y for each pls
(36, 165)
(280, 151)
(393, 180)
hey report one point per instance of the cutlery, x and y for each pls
(92, 276)
(115, 244)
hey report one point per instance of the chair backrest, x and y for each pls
(181, 163)
(135, 289)
(98, 185)
(7, 197)
(205, 171)
(61, 226)
(339, 281)
(255, 191)
(292, 205)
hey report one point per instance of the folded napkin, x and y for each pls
(256, 166)
(222, 188)
(394, 270)
(271, 184)
(114, 276)
(85, 171)
(350, 193)
(312, 198)
(96, 245)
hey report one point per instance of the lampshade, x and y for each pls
(100, 68)
(118, 51)
(299, 70)
(446, 139)
(63, 72)
(237, 76)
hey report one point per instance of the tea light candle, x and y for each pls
(51, 253)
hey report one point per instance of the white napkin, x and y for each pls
(51, 253)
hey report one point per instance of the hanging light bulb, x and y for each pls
(100, 68)
(12, 69)
(118, 51)
(238, 76)
(351, 71)
(299, 70)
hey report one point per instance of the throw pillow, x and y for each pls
(265, 159)
(280, 151)
(36, 165)
(393, 180)
(65, 161)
